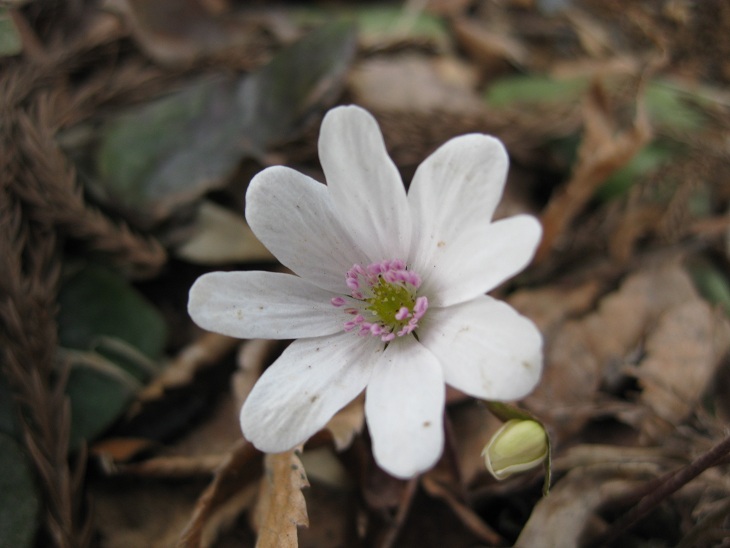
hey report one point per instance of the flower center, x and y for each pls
(386, 301)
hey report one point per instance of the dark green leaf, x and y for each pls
(96, 302)
(168, 153)
(126, 356)
(99, 392)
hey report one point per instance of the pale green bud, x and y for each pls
(518, 446)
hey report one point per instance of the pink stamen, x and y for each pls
(419, 309)
(365, 283)
(402, 314)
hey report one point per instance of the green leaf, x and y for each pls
(668, 107)
(712, 283)
(278, 98)
(97, 302)
(10, 43)
(99, 392)
(20, 502)
(535, 89)
(643, 164)
(380, 22)
(162, 156)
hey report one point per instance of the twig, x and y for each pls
(676, 481)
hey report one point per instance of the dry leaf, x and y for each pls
(347, 422)
(414, 83)
(683, 354)
(281, 506)
(221, 237)
(550, 306)
(491, 48)
(594, 349)
(253, 356)
(323, 466)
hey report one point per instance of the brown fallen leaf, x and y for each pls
(683, 354)
(281, 507)
(491, 48)
(220, 236)
(596, 349)
(550, 306)
(415, 83)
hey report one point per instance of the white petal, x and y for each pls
(301, 391)
(292, 215)
(265, 305)
(455, 189)
(364, 183)
(478, 260)
(404, 406)
(485, 347)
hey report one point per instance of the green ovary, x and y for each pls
(387, 300)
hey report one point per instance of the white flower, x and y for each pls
(388, 296)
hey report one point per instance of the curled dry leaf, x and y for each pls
(656, 316)
(281, 506)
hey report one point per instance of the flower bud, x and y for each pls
(518, 446)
